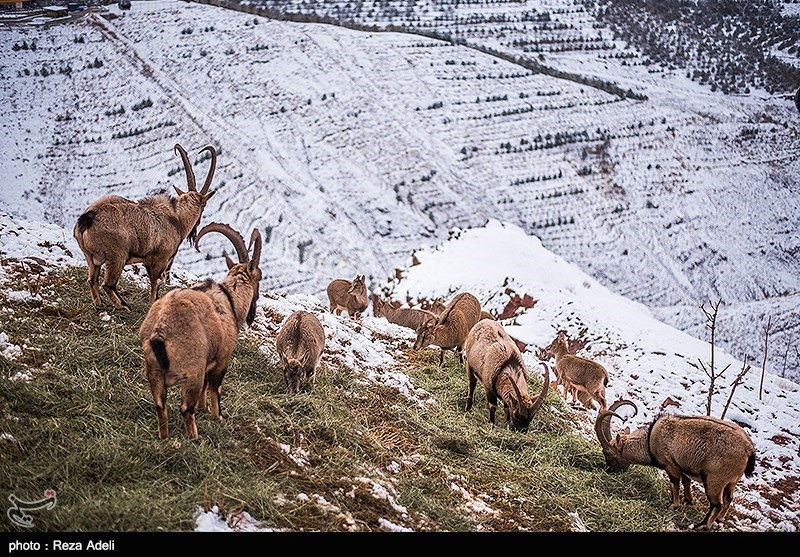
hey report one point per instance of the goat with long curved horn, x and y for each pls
(492, 356)
(715, 452)
(189, 334)
(115, 232)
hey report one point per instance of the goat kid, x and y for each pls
(584, 379)
(299, 344)
(349, 296)
(115, 231)
(411, 318)
(188, 335)
(493, 358)
(709, 450)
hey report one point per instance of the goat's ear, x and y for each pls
(178, 190)
(209, 194)
(228, 261)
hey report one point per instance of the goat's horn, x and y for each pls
(210, 149)
(255, 245)
(224, 229)
(540, 399)
(602, 425)
(190, 179)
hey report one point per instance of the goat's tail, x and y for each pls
(160, 352)
(751, 465)
(85, 221)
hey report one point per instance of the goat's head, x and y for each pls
(199, 198)
(377, 305)
(523, 409)
(358, 286)
(559, 344)
(248, 268)
(425, 334)
(612, 448)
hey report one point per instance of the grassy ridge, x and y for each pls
(346, 456)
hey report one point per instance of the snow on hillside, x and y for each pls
(350, 149)
(648, 362)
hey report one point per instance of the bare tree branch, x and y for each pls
(711, 323)
(736, 382)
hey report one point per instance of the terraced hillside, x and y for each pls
(353, 148)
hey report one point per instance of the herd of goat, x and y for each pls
(189, 334)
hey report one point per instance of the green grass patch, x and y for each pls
(77, 417)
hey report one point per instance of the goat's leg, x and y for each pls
(727, 499)
(215, 392)
(190, 394)
(675, 487)
(687, 489)
(155, 274)
(441, 357)
(202, 404)
(92, 279)
(110, 277)
(600, 397)
(472, 380)
(158, 388)
(491, 400)
(714, 490)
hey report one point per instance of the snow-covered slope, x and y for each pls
(351, 149)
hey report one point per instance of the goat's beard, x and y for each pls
(251, 313)
(192, 236)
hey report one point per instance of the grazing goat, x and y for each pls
(405, 317)
(188, 335)
(300, 343)
(702, 448)
(450, 329)
(115, 232)
(492, 357)
(584, 379)
(349, 296)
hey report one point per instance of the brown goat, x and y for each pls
(349, 296)
(188, 335)
(115, 232)
(450, 329)
(584, 379)
(411, 318)
(436, 307)
(709, 450)
(492, 357)
(299, 344)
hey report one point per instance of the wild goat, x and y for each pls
(450, 329)
(493, 358)
(188, 335)
(584, 379)
(349, 296)
(115, 232)
(411, 318)
(299, 344)
(702, 448)
(436, 307)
